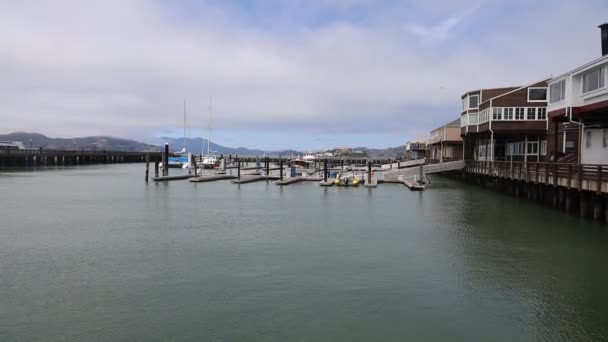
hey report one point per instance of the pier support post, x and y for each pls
(554, 197)
(369, 172)
(583, 204)
(597, 208)
(238, 169)
(421, 174)
(267, 161)
(325, 170)
(606, 209)
(166, 160)
(568, 201)
(147, 166)
(280, 169)
(156, 169)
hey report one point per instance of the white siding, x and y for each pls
(593, 150)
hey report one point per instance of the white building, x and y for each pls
(578, 100)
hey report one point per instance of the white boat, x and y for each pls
(180, 160)
(309, 156)
(210, 161)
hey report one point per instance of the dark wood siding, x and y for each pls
(519, 98)
(490, 93)
(514, 126)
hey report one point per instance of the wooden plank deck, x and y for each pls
(211, 178)
(253, 178)
(171, 178)
(292, 180)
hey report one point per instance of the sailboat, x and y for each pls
(210, 161)
(180, 160)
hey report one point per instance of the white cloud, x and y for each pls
(115, 67)
(441, 30)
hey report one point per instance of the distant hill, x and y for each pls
(98, 143)
(101, 143)
(384, 153)
(199, 145)
(194, 145)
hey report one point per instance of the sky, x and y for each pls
(301, 74)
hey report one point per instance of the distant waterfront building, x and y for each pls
(416, 149)
(578, 111)
(445, 143)
(505, 123)
(11, 145)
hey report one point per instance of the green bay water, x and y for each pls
(95, 254)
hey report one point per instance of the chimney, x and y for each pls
(604, 28)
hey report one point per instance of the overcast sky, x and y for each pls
(303, 74)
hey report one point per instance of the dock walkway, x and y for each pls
(211, 178)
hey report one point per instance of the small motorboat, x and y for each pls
(350, 180)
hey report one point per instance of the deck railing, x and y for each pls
(563, 174)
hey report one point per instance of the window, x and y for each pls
(542, 114)
(537, 94)
(508, 114)
(519, 113)
(474, 101)
(593, 80)
(464, 105)
(532, 148)
(557, 91)
(588, 139)
(605, 138)
(543, 147)
(531, 113)
(497, 113)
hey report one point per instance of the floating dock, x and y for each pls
(373, 183)
(292, 180)
(211, 178)
(172, 178)
(413, 185)
(254, 178)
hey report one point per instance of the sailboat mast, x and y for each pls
(209, 130)
(184, 124)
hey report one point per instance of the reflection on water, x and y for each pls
(93, 253)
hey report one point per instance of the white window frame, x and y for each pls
(522, 112)
(602, 70)
(546, 93)
(497, 113)
(562, 91)
(541, 109)
(534, 117)
(543, 147)
(469, 101)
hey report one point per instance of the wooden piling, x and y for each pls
(281, 169)
(238, 169)
(267, 166)
(147, 167)
(369, 172)
(325, 170)
(584, 204)
(597, 208)
(166, 160)
(156, 169)
(568, 200)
